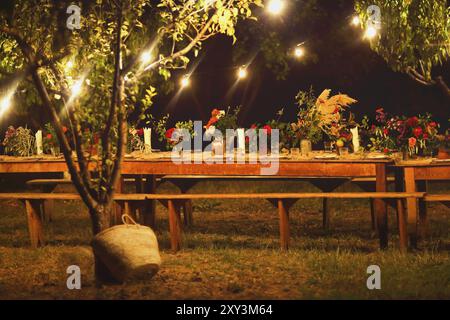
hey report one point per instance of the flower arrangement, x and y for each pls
(172, 139)
(134, 139)
(413, 135)
(222, 120)
(322, 115)
(50, 141)
(19, 142)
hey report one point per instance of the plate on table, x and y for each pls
(326, 156)
(377, 156)
(441, 160)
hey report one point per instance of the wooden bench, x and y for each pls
(443, 198)
(47, 186)
(283, 201)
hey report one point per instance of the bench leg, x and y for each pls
(187, 213)
(34, 222)
(372, 216)
(174, 225)
(402, 225)
(411, 203)
(423, 217)
(381, 206)
(149, 210)
(283, 212)
(325, 214)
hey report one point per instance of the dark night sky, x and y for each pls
(345, 66)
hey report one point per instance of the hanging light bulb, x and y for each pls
(356, 21)
(370, 33)
(185, 81)
(76, 88)
(146, 57)
(242, 72)
(5, 103)
(299, 52)
(275, 7)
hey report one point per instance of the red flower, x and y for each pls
(211, 122)
(386, 131)
(140, 132)
(64, 129)
(380, 110)
(412, 142)
(385, 150)
(412, 122)
(215, 112)
(425, 136)
(433, 124)
(253, 126)
(49, 136)
(268, 129)
(169, 133)
(417, 132)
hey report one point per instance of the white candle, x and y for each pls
(355, 139)
(39, 148)
(241, 140)
(148, 140)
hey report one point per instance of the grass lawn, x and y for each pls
(232, 253)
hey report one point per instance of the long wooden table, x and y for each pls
(314, 169)
(411, 178)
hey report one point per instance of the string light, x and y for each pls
(275, 7)
(5, 103)
(185, 81)
(242, 72)
(355, 21)
(370, 33)
(146, 57)
(76, 88)
(69, 65)
(299, 52)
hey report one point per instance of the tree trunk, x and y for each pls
(440, 82)
(101, 217)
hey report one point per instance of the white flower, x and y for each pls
(210, 131)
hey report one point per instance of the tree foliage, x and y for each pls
(414, 36)
(104, 60)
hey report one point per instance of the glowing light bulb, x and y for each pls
(242, 73)
(76, 88)
(185, 82)
(370, 33)
(69, 65)
(355, 21)
(5, 103)
(299, 52)
(146, 57)
(275, 7)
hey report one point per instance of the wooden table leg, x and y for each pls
(34, 222)
(174, 225)
(411, 205)
(381, 206)
(283, 212)
(402, 226)
(149, 210)
(423, 217)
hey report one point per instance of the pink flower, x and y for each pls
(412, 142)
